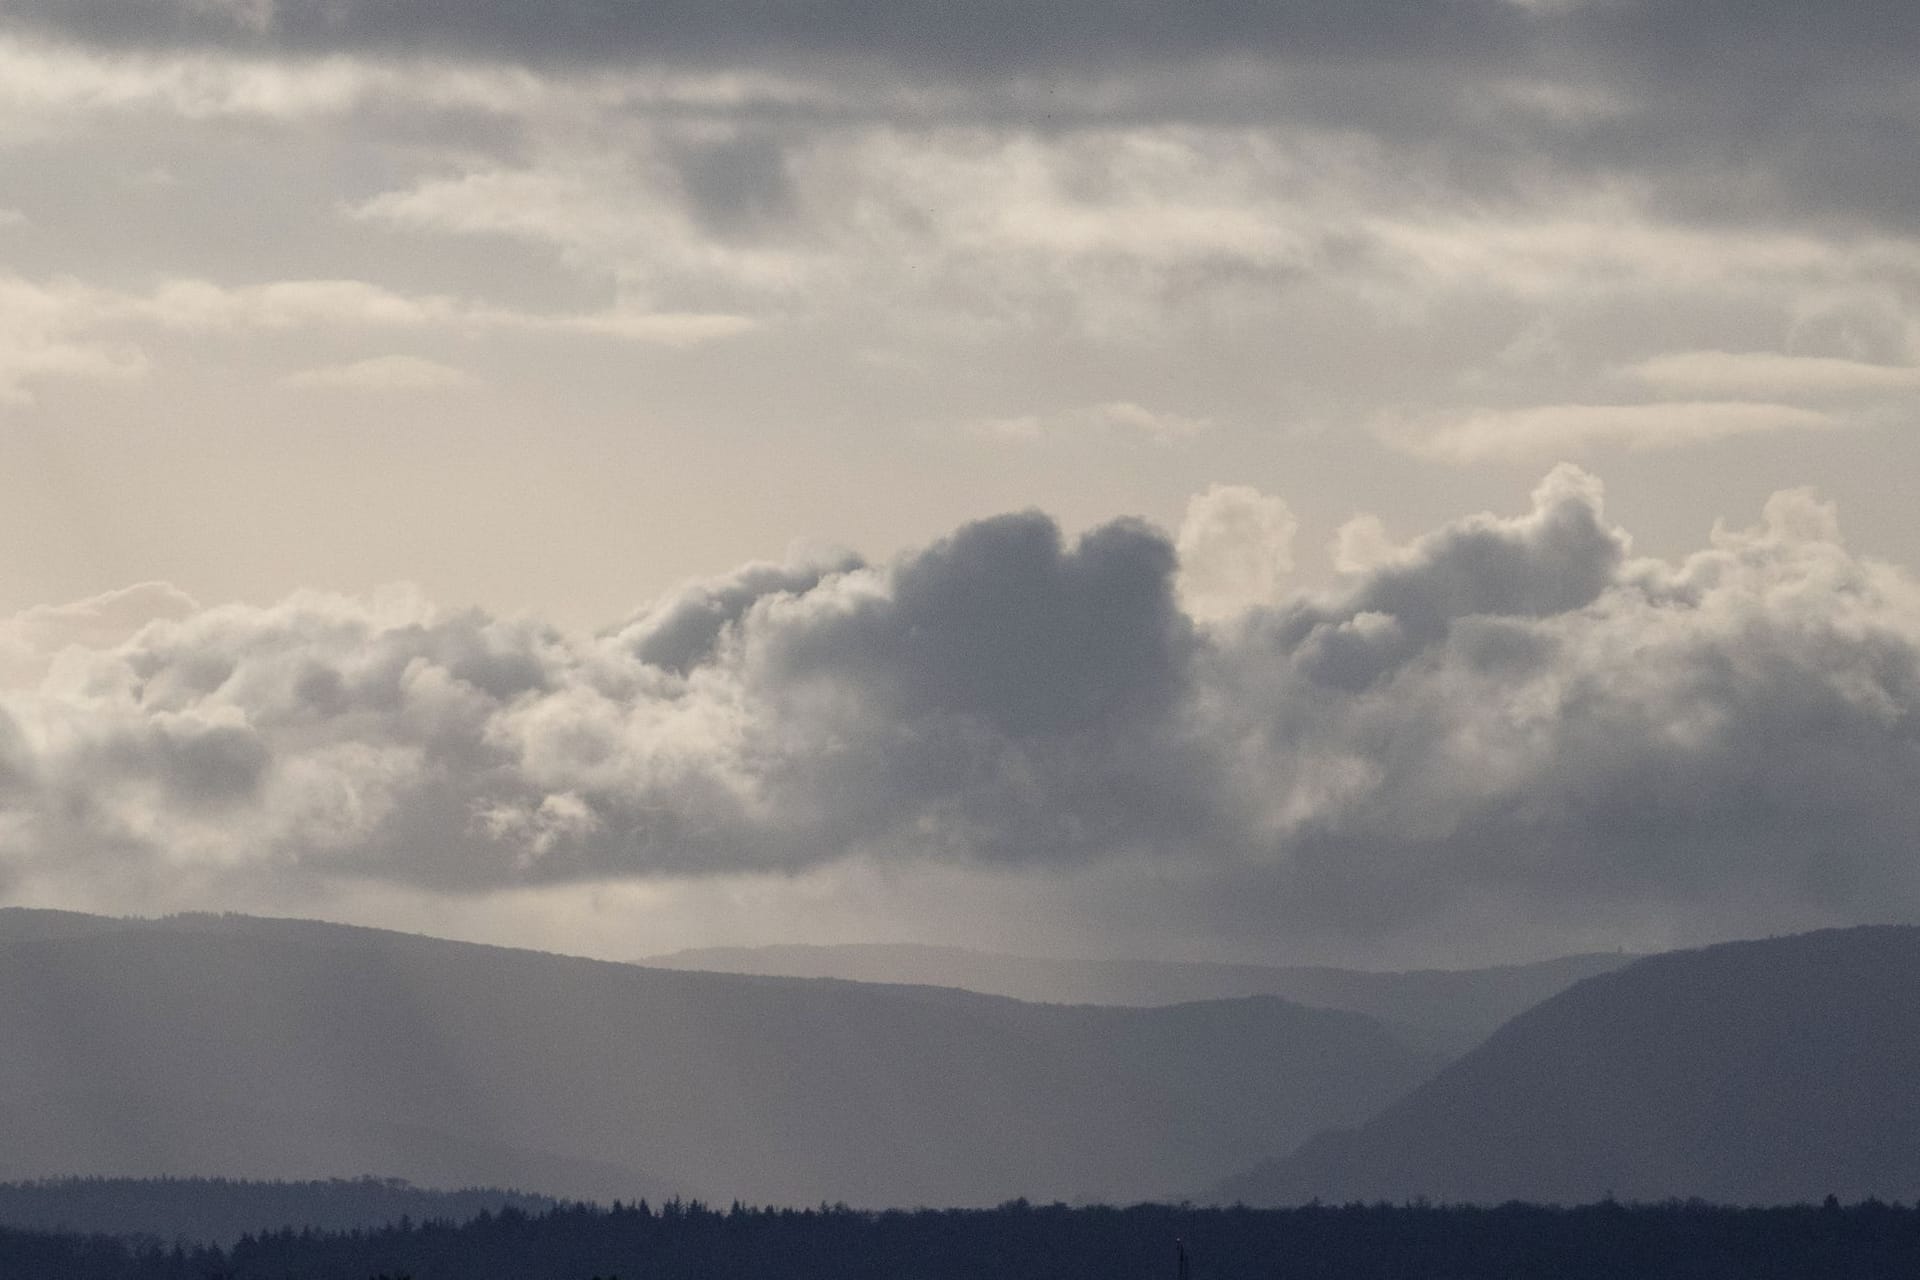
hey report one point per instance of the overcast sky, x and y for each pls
(1390, 482)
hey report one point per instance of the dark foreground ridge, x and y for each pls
(1021, 1242)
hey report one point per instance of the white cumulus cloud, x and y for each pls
(1236, 550)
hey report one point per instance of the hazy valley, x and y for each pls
(1446, 1010)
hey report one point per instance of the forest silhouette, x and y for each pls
(1019, 1241)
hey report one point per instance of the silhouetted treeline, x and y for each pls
(1020, 1242)
(221, 1210)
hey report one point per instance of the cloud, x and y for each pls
(1397, 175)
(1785, 119)
(684, 630)
(1115, 418)
(32, 639)
(1771, 374)
(1360, 544)
(919, 219)
(383, 373)
(1236, 550)
(999, 228)
(45, 333)
(1562, 428)
(65, 328)
(608, 213)
(52, 83)
(1559, 557)
(203, 306)
(1502, 735)
(782, 717)
(918, 34)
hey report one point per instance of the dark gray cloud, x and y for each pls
(1745, 109)
(1725, 41)
(685, 630)
(1739, 110)
(1000, 35)
(1511, 725)
(1003, 624)
(738, 186)
(1010, 698)
(1481, 570)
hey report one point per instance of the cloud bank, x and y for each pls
(1510, 723)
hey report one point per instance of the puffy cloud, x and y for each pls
(685, 629)
(32, 639)
(951, 703)
(1236, 549)
(1507, 733)
(1361, 544)
(1557, 558)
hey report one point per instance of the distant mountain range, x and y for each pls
(1753, 1072)
(1757, 1072)
(254, 1048)
(1446, 1010)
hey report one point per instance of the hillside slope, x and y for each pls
(1753, 1072)
(285, 1049)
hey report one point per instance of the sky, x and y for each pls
(1394, 483)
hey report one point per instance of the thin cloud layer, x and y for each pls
(1560, 428)
(1510, 718)
(384, 373)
